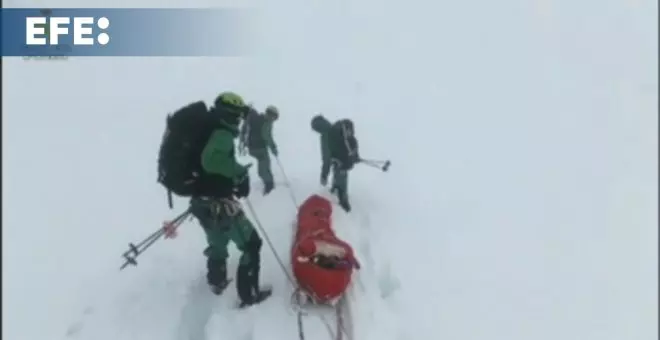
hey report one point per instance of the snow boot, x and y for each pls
(345, 205)
(247, 284)
(218, 289)
(268, 187)
(343, 200)
(216, 275)
(259, 297)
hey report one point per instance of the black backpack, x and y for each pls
(179, 159)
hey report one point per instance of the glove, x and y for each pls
(243, 188)
(336, 163)
(274, 151)
(324, 181)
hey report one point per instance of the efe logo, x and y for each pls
(52, 27)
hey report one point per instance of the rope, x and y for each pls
(286, 179)
(299, 316)
(268, 241)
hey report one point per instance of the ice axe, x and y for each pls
(382, 165)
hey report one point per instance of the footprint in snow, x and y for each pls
(76, 327)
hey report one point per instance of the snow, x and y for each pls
(521, 202)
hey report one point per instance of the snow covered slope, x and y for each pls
(521, 204)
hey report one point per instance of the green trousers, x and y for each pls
(224, 221)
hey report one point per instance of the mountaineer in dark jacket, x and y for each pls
(339, 152)
(257, 137)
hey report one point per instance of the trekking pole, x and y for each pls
(286, 179)
(168, 229)
(382, 165)
(169, 199)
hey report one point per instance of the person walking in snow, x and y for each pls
(198, 160)
(339, 153)
(257, 137)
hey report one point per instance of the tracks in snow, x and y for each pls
(197, 312)
(337, 320)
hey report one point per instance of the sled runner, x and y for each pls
(322, 263)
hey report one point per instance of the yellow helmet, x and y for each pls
(230, 99)
(232, 103)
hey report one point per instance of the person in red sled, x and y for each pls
(322, 263)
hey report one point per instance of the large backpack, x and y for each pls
(179, 159)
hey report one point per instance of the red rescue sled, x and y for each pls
(322, 263)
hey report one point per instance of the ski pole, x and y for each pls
(168, 228)
(383, 165)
